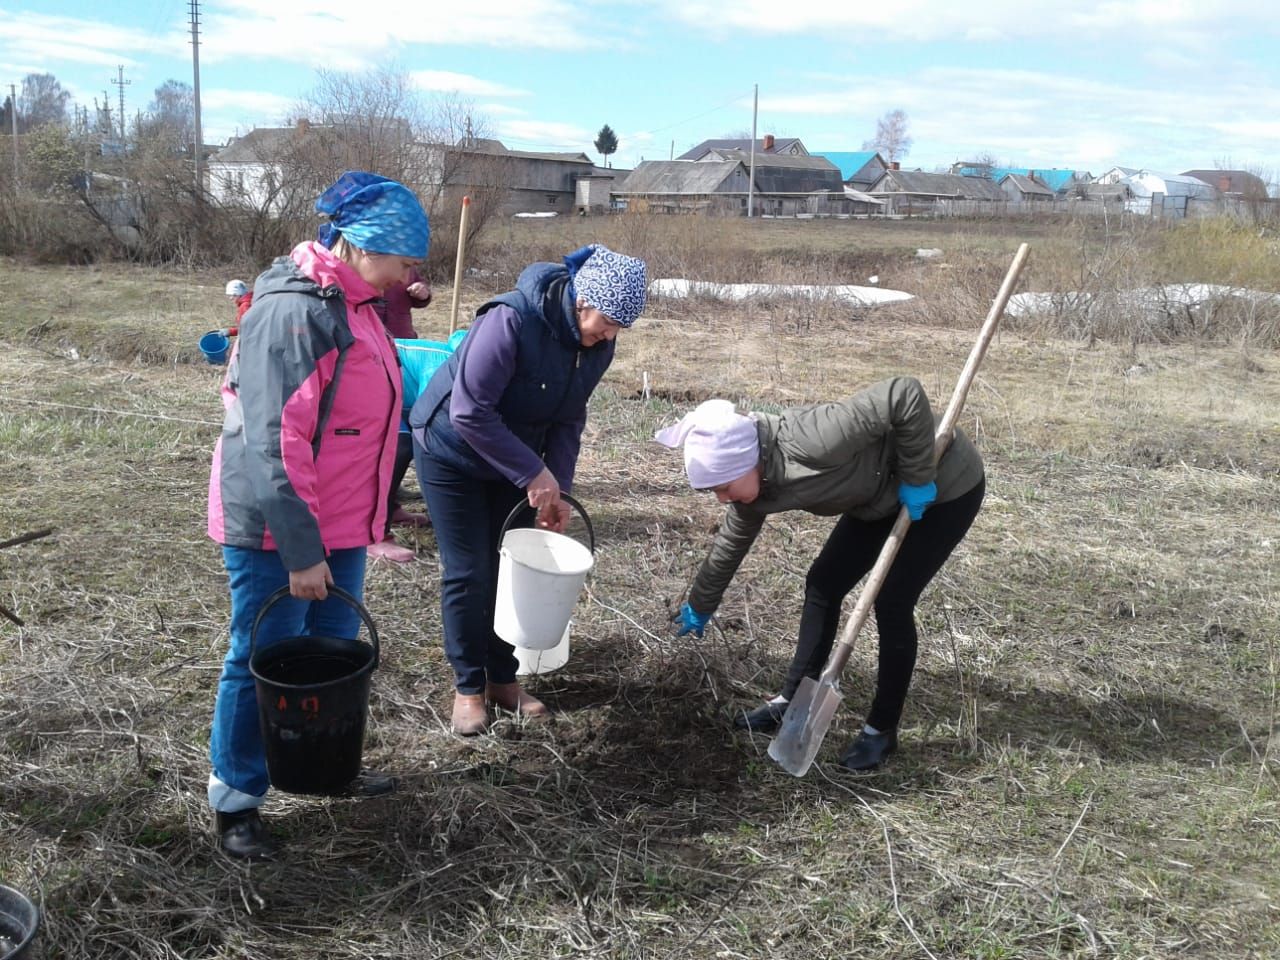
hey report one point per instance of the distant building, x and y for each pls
(1237, 184)
(251, 170)
(1162, 194)
(860, 169)
(1062, 182)
(1020, 189)
(769, 144)
(255, 170)
(533, 181)
(785, 185)
(1115, 175)
(913, 191)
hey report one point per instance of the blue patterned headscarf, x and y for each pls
(375, 214)
(611, 282)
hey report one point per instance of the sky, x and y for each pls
(1166, 85)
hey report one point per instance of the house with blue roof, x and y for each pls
(1061, 181)
(859, 169)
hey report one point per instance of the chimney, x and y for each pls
(768, 143)
(303, 125)
(1224, 183)
(895, 165)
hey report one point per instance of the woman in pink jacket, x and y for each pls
(315, 374)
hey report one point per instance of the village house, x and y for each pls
(769, 144)
(913, 191)
(785, 185)
(860, 169)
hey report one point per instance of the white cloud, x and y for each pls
(1042, 118)
(925, 20)
(345, 36)
(49, 40)
(447, 81)
(543, 134)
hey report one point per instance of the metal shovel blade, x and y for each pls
(804, 725)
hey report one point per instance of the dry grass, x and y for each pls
(1089, 763)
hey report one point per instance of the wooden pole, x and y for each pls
(457, 267)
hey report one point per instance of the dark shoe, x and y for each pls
(869, 750)
(371, 783)
(242, 834)
(764, 719)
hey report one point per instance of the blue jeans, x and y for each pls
(239, 777)
(467, 516)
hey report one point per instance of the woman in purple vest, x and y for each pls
(500, 422)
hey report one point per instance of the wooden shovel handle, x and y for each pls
(457, 267)
(942, 440)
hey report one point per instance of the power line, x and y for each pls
(121, 82)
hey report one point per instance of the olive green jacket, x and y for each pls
(837, 458)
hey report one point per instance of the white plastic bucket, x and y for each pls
(543, 661)
(540, 575)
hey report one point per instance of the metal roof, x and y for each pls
(1055, 179)
(950, 185)
(850, 163)
(1026, 184)
(1144, 183)
(263, 143)
(706, 146)
(1231, 181)
(677, 176)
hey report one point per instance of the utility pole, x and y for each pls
(195, 91)
(13, 133)
(751, 177)
(121, 82)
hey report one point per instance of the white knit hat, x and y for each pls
(720, 444)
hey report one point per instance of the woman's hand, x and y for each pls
(543, 490)
(419, 291)
(311, 583)
(554, 517)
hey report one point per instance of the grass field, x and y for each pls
(1089, 761)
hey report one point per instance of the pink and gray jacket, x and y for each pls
(313, 403)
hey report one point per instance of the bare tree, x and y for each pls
(171, 116)
(891, 139)
(380, 122)
(41, 101)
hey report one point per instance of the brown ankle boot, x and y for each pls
(470, 717)
(509, 696)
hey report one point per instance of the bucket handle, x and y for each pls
(524, 505)
(335, 591)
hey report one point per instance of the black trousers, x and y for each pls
(848, 555)
(467, 515)
(404, 457)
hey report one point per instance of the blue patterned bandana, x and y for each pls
(611, 282)
(376, 214)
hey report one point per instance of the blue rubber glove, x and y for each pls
(689, 620)
(917, 498)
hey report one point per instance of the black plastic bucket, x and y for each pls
(313, 699)
(19, 921)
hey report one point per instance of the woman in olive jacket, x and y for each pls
(859, 460)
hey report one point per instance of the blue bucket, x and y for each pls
(214, 346)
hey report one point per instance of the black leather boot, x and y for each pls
(764, 719)
(370, 783)
(869, 750)
(242, 834)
